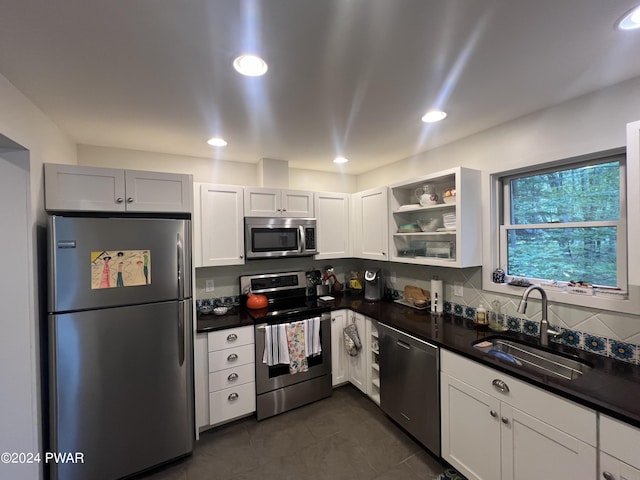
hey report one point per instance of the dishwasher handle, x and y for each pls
(407, 341)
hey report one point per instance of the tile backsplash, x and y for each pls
(613, 334)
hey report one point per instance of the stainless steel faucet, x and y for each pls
(545, 331)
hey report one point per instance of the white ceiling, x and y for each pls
(346, 77)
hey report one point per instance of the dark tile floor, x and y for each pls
(345, 436)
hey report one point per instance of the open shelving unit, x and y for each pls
(374, 372)
(458, 247)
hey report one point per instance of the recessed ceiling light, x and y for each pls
(340, 160)
(250, 65)
(433, 116)
(217, 142)
(631, 20)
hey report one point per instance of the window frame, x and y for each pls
(491, 215)
(505, 225)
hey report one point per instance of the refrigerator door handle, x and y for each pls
(181, 336)
(180, 251)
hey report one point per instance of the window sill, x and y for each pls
(628, 305)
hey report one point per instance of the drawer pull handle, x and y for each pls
(493, 413)
(233, 396)
(129, 199)
(232, 358)
(608, 476)
(232, 337)
(505, 420)
(232, 377)
(500, 385)
(119, 200)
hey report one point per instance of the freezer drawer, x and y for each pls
(121, 388)
(108, 262)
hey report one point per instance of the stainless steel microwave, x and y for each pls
(273, 237)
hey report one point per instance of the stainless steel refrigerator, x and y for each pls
(120, 344)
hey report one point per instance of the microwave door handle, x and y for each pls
(301, 238)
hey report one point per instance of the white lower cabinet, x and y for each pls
(358, 364)
(201, 380)
(497, 427)
(612, 468)
(619, 454)
(344, 367)
(231, 374)
(339, 360)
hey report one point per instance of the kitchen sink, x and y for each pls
(531, 357)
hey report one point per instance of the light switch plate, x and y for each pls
(458, 290)
(209, 286)
(393, 277)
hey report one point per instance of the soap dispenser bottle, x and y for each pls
(481, 316)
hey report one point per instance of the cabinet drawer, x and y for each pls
(232, 377)
(566, 415)
(230, 337)
(231, 357)
(620, 440)
(232, 402)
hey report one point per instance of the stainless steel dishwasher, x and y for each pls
(409, 384)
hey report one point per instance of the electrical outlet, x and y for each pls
(458, 290)
(209, 286)
(393, 277)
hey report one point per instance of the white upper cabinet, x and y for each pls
(370, 223)
(332, 221)
(221, 225)
(157, 192)
(275, 202)
(93, 189)
(443, 230)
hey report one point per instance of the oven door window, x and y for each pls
(274, 239)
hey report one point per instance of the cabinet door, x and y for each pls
(532, 449)
(158, 192)
(470, 430)
(339, 365)
(78, 188)
(262, 202)
(297, 203)
(613, 469)
(332, 221)
(221, 225)
(372, 235)
(620, 440)
(358, 364)
(201, 379)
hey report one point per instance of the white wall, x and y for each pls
(590, 123)
(22, 123)
(209, 170)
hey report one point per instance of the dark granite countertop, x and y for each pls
(611, 387)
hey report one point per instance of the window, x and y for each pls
(566, 223)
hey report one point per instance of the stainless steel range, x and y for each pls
(281, 382)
